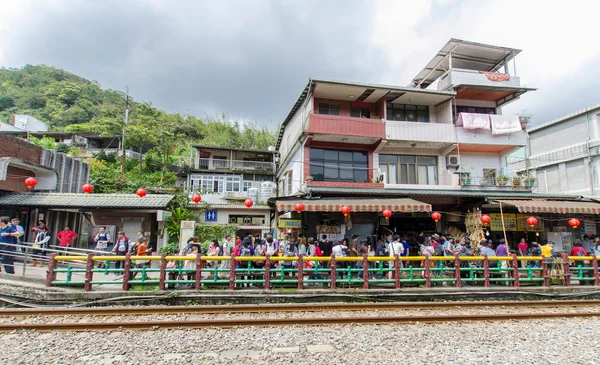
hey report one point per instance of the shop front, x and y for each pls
(340, 218)
(562, 222)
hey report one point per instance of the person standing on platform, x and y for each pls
(522, 248)
(40, 245)
(65, 238)
(396, 248)
(8, 238)
(102, 240)
(325, 246)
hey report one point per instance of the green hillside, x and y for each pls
(71, 103)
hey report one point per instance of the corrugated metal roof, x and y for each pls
(237, 206)
(356, 205)
(89, 201)
(466, 55)
(551, 206)
(439, 192)
(562, 119)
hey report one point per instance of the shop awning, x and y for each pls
(553, 206)
(356, 205)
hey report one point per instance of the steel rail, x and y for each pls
(266, 322)
(267, 308)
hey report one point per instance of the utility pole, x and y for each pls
(123, 158)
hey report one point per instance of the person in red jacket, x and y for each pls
(66, 237)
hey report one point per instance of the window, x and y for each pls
(329, 108)
(215, 183)
(489, 176)
(402, 169)
(288, 180)
(360, 113)
(247, 219)
(246, 185)
(409, 113)
(334, 165)
(470, 109)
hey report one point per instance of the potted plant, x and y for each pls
(501, 180)
(516, 181)
(308, 178)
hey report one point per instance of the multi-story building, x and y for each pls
(439, 144)
(226, 177)
(565, 165)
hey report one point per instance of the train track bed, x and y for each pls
(536, 341)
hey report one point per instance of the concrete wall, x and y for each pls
(475, 163)
(294, 128)
(553, 137)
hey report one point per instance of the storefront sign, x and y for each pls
(523, 226)
(163, 216)
(290, 223)
(589, 227)
(510, 222)
(186, 231)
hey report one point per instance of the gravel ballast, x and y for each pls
(548, 341)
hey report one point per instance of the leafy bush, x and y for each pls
(206, 232)
(169, 248)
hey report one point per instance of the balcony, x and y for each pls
(470, 77)
(347, 129)
(480, 140)
(213, 164)
(442, 133)
(486, 183)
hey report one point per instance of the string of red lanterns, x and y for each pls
(573, 222)
(87, 188)
(346, 210)
(30, 182)
(387, 214)
(299, 207)
(485, 219)
(196, 198)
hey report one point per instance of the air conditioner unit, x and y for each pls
(452, 161)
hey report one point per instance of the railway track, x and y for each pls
(267, 308)
(288, 321)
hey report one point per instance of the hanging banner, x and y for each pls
(290, 223)
(523, 226)
(510, 222)
(589, 227)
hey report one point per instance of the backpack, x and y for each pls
(244, 251)
(438, 250)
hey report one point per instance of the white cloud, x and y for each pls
(557, 39)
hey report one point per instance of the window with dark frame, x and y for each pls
(360, 113)
(408, 113)
(338, 165)
(471, 109)
(403, 169)
(329, 108)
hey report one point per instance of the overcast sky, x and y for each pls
(251, 59)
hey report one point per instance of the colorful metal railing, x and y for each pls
(331, 272)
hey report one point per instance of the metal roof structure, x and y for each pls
(552, 206)
(232, 149)
(86, 201)
(390, 88)
(562, 119)
(490, 194)
(356, 205)
(465, 55)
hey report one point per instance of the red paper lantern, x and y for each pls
(436, 216)
(196, 198)
(87, 188)
(30, 182)
(531, 221)
(141, 192)
(299, 207)
(387, 213)
(248, 203)
(485, 219)
(574, 222)
(346, 210)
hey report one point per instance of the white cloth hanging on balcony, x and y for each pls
(505, 124)
(473, 121)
